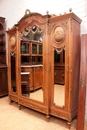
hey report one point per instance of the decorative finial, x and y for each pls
(53, 15)
(27, 11)
(47, 12)
(70, 10)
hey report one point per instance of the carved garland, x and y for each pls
(59, 50)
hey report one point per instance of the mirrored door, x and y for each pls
(13, 73)
(59, 77)
(31, 53)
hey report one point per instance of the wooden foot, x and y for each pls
(10, 101)
(69, 125)
(75, 117)
(19, 106)
(47, 118)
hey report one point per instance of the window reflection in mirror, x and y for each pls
(25, 90)
(31, 50)
(32, 83)
(32, 33)
(59, 77)
(13, 73)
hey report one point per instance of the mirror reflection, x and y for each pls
(13, 73)
(59, 77)
(31, 52)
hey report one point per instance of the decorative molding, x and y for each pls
(13, 53)
(71, 24)
(50, 28)
(64, 24)
(33, 18)
(82, 80)
(59, 50)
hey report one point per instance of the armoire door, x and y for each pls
(64, 56)
(81, 119)
(27, 62)
(12, 65)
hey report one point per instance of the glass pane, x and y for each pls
(34, 48)
(24, 48)
(40, 59)
(25, 60)
(33, 59)
(40, 49)
(36, 60)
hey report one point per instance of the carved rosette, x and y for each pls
(12, 40)
(12, 43)
(58, 36)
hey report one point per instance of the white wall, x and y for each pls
(13, 10)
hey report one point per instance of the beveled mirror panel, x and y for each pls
(13, 73)
(31, 53)
(59, 77)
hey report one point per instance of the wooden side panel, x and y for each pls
(74, 61)
(82, 84)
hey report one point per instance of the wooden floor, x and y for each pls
(11, 118)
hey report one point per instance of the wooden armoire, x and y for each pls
(3, 64)
(44, 63)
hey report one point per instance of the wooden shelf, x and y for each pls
(2, 51)
(24, 82)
